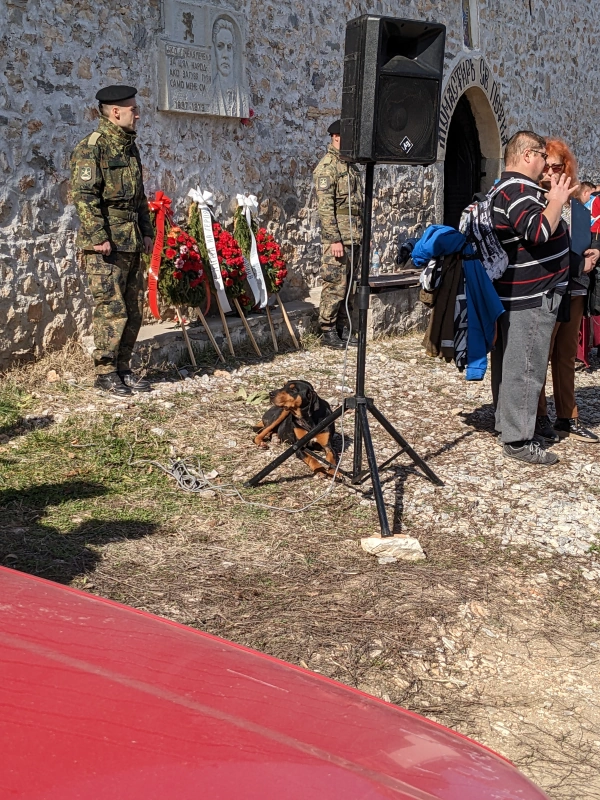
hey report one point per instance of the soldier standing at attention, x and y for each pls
(108, 193)
(339, 194)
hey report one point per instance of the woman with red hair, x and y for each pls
(563, 348)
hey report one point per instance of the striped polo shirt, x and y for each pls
(538, 261)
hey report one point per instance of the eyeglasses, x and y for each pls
(556, 168)
(540, 153)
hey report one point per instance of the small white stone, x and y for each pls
(393, 548)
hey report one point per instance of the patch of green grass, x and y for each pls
(13, 402)
(99, 452)
(66, 388)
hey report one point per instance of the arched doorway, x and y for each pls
(462, 165)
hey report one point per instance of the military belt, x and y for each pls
(121, 213)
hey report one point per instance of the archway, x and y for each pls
(462, 165)
(469, 155)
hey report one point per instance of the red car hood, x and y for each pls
(100, 701)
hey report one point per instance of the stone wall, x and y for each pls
(54, 55)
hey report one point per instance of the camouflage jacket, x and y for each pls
(332, 176)
(108, 191)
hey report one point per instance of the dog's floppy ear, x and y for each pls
(313, 400)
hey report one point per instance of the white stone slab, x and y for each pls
(393, 548)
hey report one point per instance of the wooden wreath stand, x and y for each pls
(208, 333)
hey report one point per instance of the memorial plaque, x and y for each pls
(202, 66)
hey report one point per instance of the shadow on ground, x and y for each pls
(30, 545)
(587, 397)
(22, 426)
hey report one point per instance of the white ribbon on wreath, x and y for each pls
(205, 201)
(256, 279)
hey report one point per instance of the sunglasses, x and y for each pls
(556, 168)
(540, 153)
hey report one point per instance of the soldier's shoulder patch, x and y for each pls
(86, 171)
(323, 182)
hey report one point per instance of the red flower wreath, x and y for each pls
(273, 265)
(233, 266)
(182, 279)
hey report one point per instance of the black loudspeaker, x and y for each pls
(391, 92)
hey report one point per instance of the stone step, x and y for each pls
(163, 342)
(393, 311)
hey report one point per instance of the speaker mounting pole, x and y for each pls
(359, 403)
(362, 303)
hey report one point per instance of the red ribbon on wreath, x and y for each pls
(161, 205)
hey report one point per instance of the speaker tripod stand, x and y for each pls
(359, 403)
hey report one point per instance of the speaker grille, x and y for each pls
(407, 117)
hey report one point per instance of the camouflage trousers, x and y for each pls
(335, 273)
(117, 286)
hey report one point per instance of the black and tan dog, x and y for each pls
(296, 409)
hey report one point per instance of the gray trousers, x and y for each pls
(519, 365)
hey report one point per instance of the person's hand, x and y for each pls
(337, 250)
(148, 245)
(105, 248)
(560, 189)
(590, 260)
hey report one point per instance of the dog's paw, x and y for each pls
(327, 473)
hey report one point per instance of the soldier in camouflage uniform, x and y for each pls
(108, 192)
(335, 179)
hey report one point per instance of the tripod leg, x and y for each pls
(256, 479)
(405, 445)
(357, 463)
(361, 412)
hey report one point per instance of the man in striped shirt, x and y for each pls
(527, 220)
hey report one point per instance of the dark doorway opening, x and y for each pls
(462, 167)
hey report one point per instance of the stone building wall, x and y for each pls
(54, 56)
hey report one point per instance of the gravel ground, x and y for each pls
(496, 633)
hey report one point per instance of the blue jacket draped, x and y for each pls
(483, 304)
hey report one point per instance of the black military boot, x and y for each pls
(331, 339)
(343, 334)
(134, 383)
(111, 382)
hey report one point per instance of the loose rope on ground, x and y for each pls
(190, 477)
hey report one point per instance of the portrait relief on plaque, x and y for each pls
(202, 64)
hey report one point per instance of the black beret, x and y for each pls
(115, 94)
(334, 128)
